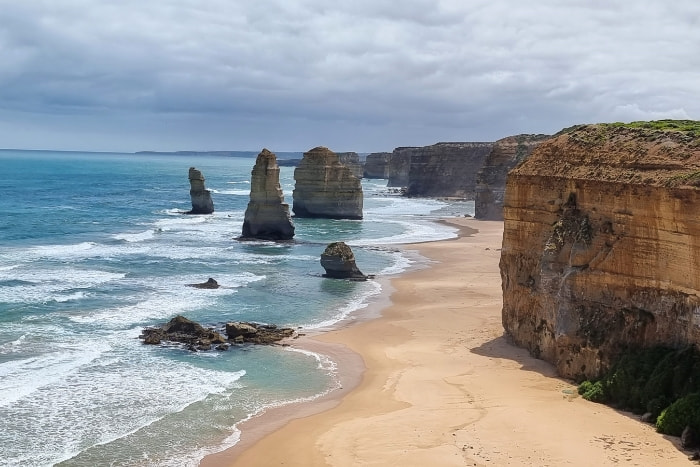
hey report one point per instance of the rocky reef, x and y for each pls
(201, 197)
(601, 244)
(491, 178)
(351, 160)
(446, 169)
(326, 188)
(196, 337)
(339, 262)
(377, 165)
(267, 215)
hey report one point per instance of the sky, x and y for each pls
(358, 75)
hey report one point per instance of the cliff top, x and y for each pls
(662, 153)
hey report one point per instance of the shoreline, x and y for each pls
(432, 381)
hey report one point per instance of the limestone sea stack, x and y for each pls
(267, 215)
(377, 165)
(601, 244)
(491, 178)
(326, 188)
(351, 160)
(201, 197)
(339, 262)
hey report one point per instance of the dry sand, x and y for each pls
(442, 387)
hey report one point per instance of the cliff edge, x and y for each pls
(601, 244)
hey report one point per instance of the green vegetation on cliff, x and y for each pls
(690, 127)
(664, 382)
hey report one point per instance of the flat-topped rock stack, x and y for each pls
(326, 188)
(377, 165)
(201, 197)
(601, 244)
(267, 215)
(491, 179)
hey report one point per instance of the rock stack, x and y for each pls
(351, 160)
(377, 165)
(326, 188)
(201, 197)
(339, 262)
(267, 216)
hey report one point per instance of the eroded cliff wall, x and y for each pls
(491, 178)
(446, 169)
(601, 245)
(351, 160)
(399, 165)
(377, 165)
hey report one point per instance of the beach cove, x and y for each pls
(442, 386)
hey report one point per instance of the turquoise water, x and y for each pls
(96, 246)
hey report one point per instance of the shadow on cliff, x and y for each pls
(501, 347)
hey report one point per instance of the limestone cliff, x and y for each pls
(267, 216)
(491, 178)
(446, 169)
(351, 160)
(601, 244)
(201, 197)
(399, 166)
(326, 188)
(377, 165)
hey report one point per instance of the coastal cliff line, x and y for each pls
(601, 244)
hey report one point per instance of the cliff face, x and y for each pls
(446, 169)
(267, 215)
(326, 188)
(491, 179)
(399, 166)
(601, 245)
(201, 197)
(377, 165)
(351, 160)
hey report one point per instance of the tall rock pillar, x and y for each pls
(267, 216)
(201, 197)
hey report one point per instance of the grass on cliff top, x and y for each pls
(662, 381)
(684, 126)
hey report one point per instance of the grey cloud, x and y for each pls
(384, 73)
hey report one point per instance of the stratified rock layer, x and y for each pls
(601, 245)
(267, 215)
(351, 160)
(326, 188)
(377, 165)
(339, 262)
(400, 165)
(491, 178)
(446, 169)
(201, 197)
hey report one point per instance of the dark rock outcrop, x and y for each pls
(377, 165)
(326, 188)
(209, 284)
(351, 160)
(491, 179)
(201, 197)
(339, 262)
(267, 215)
(601, 244)
(182, 330)
(446, 169)
(254, 333)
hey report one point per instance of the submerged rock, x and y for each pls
(339, 262)
(201, 197)
(267, 215)
(209, 284)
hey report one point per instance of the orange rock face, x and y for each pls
(601, 246)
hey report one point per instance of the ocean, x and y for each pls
(96, 246)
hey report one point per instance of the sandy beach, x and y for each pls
(433, 382)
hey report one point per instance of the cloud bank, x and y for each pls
(363, 75)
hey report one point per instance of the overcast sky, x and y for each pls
(358, 75)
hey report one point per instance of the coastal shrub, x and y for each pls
(683, 412)
(593, 392)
